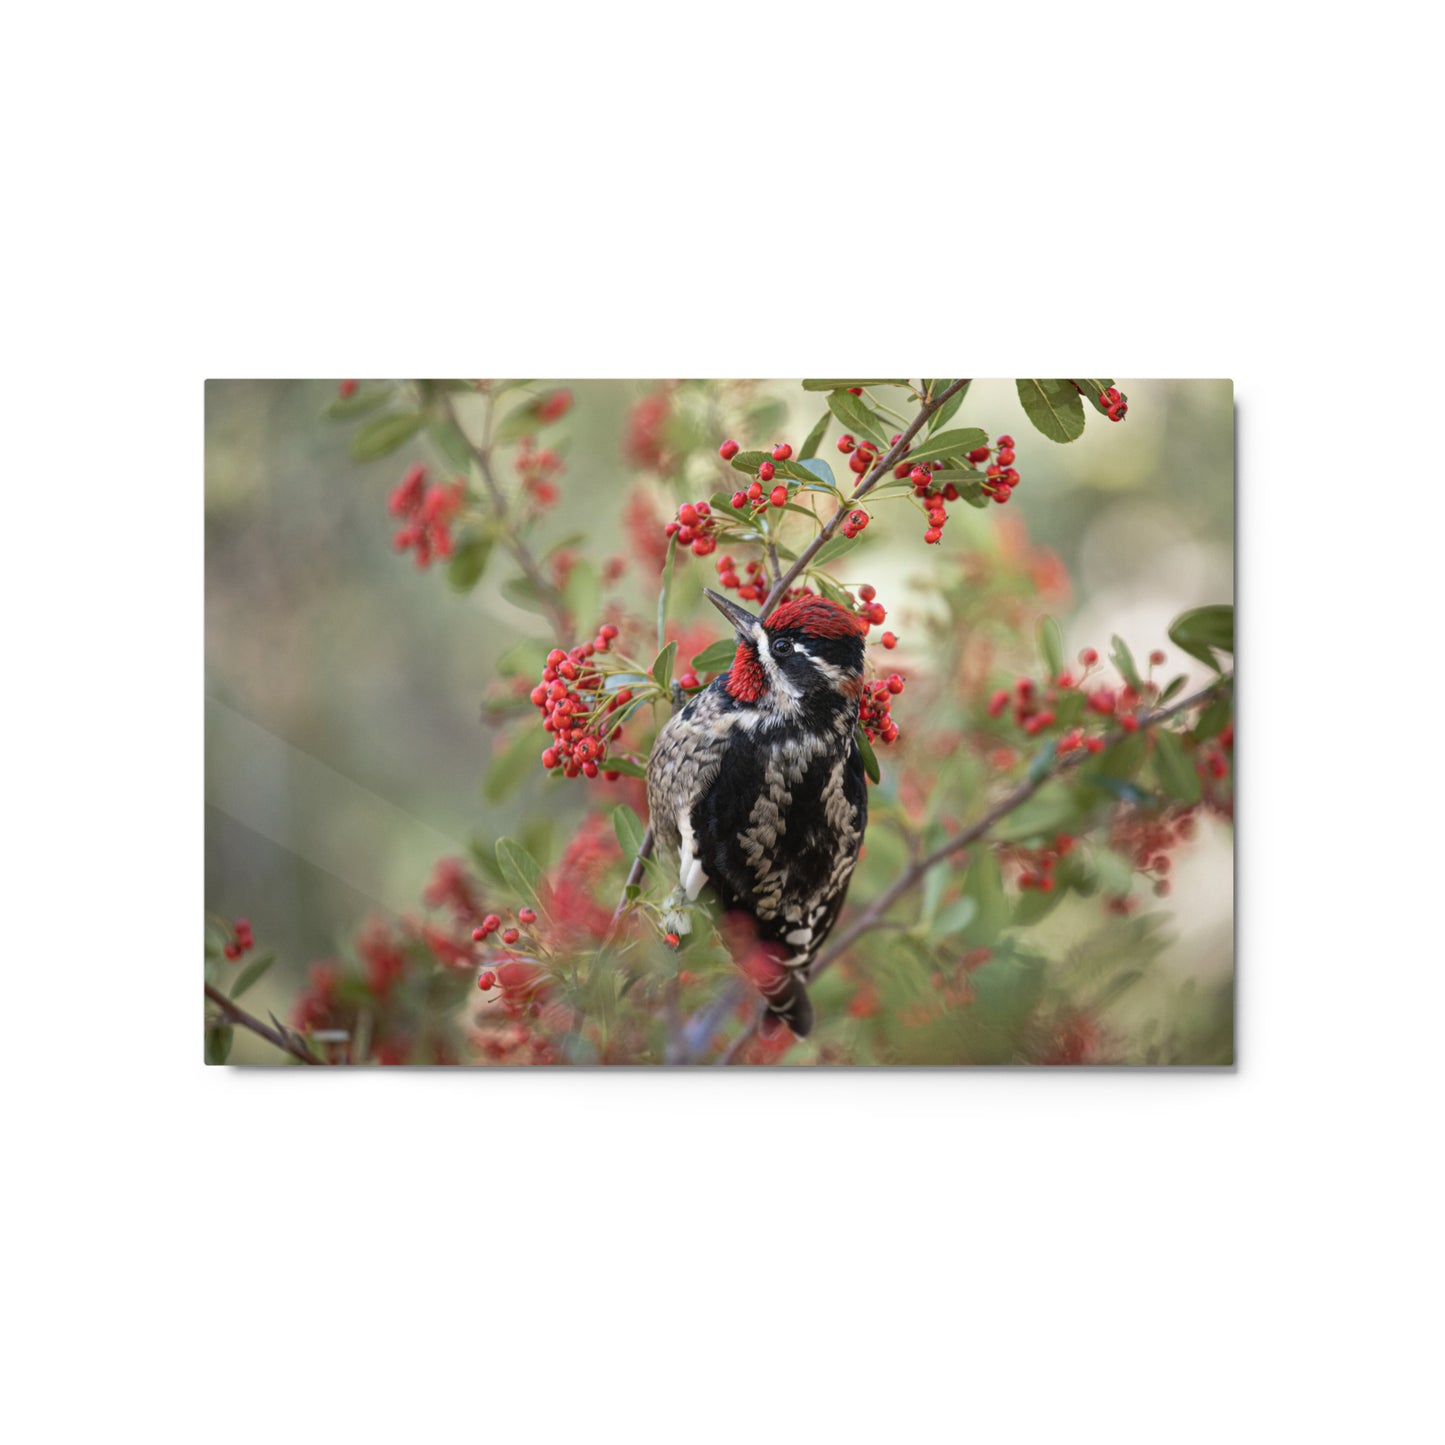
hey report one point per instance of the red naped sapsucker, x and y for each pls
(756, 789)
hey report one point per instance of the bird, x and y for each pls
(756, 789)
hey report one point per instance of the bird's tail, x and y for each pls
(788, 1004)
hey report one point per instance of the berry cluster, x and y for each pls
(758, 497)
(1146, 841)
(570, 696)
(874, 711)
(754, 589)
(855, 522)
(242, 942)
(1038, 864)
(861, 455)
(428, 511)
(694, 527)
(538, 470)
(873, 613)
(1000, 476)
(1116, 407)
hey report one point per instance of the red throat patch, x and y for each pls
(746, 679)
(817, 617)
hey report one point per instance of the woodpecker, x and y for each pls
(757, 790)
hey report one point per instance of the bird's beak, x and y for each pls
(742, 620)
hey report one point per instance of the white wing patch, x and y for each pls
(690, 872)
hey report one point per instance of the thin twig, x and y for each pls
(547, 594)
(881, 469)
(287, 1042)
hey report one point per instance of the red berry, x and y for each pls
(846, 443)
(687, 515)
(526, 915)
(895, 684)
(778, 496)
(868, 592)
(1156, 658)
(510, 935)
(755, 491)
(739, 500)
(1005, 441)
(932, 535)
(1006, 456)
(858, 519)
(688, 680)
(855, 391)
(920, 476)
(765, 472)
(486, 979)
(889, 641)
(978, 454)
(347, 388)
(782, 452)
(728, 450)
(1089, 656)
(232, 951)
(549, 756)
(672, 940)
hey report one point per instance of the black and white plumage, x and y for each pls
(756, 789)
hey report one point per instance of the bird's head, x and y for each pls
(806, 657)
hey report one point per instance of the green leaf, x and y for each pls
(870, 760)
(625, 766)
(582, 596)
(520, 592)
(344, 408)
(468, 562)
(821, 470)
(218, 1043)
(1214, 717)
(452, 445)
(522, 871)
(1051, 646)
(716, 658)
(1035, 904)
(789, 471)
(1173, 690)
(833, 548)
(856, 417)
(984, 884)
(945, 413)
(948, 444)
(1203, 630)
(814, 439)
(1093, 389)
(664, 594)
(628, 827)
(511, 764)
(383, 436)
(1123, 659)
(815, 385)
(1176, 776)
(618, 680)
(252, 972)
(519, 422)
(958, 915)
(662, 666)
(1054, 407)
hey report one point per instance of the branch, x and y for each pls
(634, 876)
(872, 916)
(881, 469)
(551, 599)
(283, 1039)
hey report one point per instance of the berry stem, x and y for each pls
(551, 598)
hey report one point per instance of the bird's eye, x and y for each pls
(782, 647)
